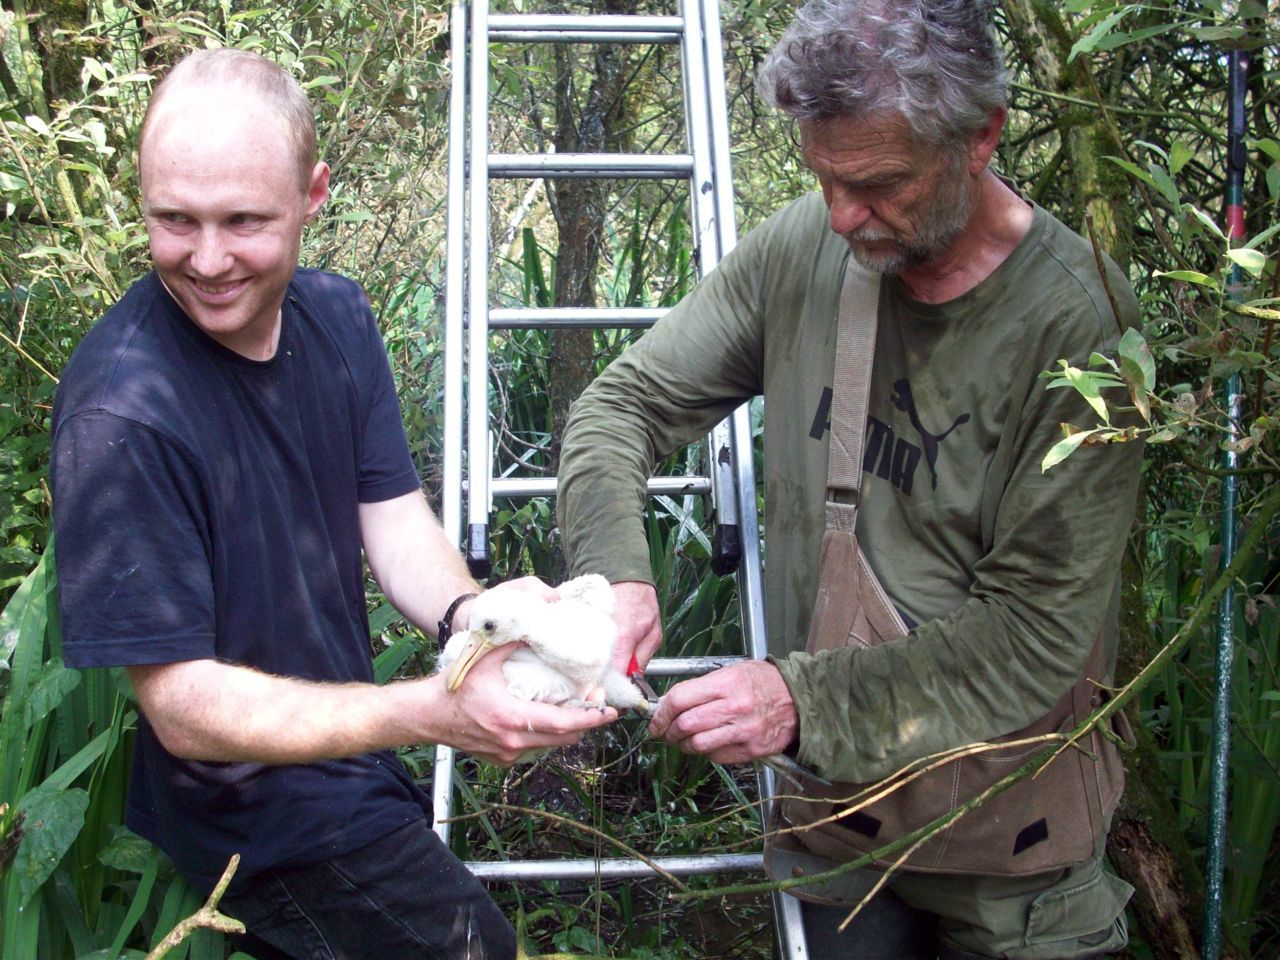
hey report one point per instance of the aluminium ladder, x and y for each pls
(731, 483)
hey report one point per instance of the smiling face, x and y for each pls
(896, 204)
(224, 207)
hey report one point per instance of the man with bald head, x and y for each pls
(227, 453)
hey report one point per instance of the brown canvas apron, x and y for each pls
(1042, 823)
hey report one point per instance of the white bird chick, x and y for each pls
(570, 645)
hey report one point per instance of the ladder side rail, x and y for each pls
(787, 916)
(478, 499)
(455, 311)
(718, 109)
(788, 919)
(726, 539)
(455, 278)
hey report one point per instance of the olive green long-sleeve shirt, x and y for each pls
(1004, 573)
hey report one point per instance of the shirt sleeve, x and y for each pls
(132, 550)
(687, 373)
(386, 467)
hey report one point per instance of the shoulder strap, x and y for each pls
(855, 350)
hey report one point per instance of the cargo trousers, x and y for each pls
(1070, 914)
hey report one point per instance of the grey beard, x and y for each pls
(945, 220)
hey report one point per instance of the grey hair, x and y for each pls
(935, 62)
(228, 67)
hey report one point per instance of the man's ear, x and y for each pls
(317, 189)
(985, 139)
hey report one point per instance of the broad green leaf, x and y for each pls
(1134, 376)
(381, 617)
(23, 623)
(1089, 386)
(38, 125)
(1089, 42)
(93, 70)
(1135, 36)
(1134, 347)
(1097, 360)
(1133, 170)
(1164, 183)
(10, 183)
(1155, 148)
(1064, 448)
(50, 688)
(1217, 33)
(127, 851)
(1252, 261)
(1268, 146)
(327, 80)
(1189, 276)
(52, 819)
(1207, 220)
(1179, 155)
(393, 658)
(1273, 181)
(1257, 241)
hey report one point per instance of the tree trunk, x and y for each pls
(579, 206)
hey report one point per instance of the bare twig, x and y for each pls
(884, 878)
(206, 918)
(26, 356)
(1102, 271)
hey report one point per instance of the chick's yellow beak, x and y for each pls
(470, 655)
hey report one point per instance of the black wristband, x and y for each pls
(444, 629)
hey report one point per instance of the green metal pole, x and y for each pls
(1215, 862)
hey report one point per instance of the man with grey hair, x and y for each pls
(227, 452)
(942, 590)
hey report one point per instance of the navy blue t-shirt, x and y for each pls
(206, 506)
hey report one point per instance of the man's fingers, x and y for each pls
(677, 717)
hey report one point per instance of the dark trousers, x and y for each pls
(885, 929)
(403, 896)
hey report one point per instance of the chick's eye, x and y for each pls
(490, 626)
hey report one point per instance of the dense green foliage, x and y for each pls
(1118, 121)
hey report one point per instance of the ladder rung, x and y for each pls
(614, 868)
(688, 666)
(520, 487)
(541, 318)
(631, 166)
(560, 28)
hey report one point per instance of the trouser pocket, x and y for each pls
(1083, 920)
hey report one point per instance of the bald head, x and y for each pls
(209, 82)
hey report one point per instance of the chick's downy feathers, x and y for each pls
(569, 645)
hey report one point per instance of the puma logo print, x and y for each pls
(887, 455)
(903, 400)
